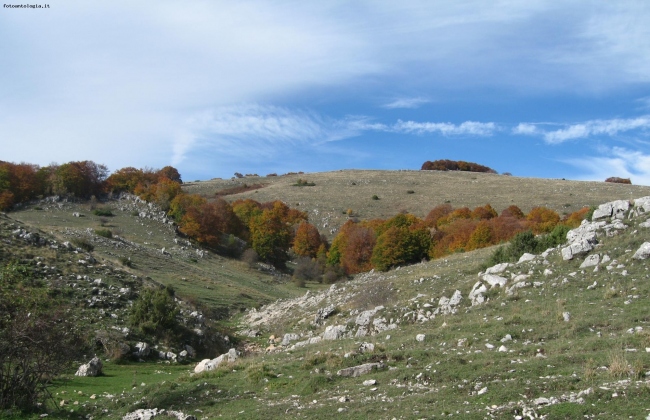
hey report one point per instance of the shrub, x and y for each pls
(125, 261)
(250, 257)
(374, 197)
(410, 192)
(106, 233)
(83, 244)
(307, 269)
(37, 341)
(303, 183)
(154, 312)
(103, 212)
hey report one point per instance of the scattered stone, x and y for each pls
(420, 337)
(526, 257)
(92, 368)
(566, 316)
(643, 252)
(369, 382)
(366, 348)
(334, 332)
(355, 371)
(590, 261)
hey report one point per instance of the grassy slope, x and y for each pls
(218, 283)
(429, 378)
(439, 376)
(334, 193)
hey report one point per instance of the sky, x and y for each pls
(534, 88)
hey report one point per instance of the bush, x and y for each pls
(250, 257)
(154, 312)
(125, 261)
(106, 233)
(374, 197)
(37, 341)
(306, 269)
(103, 212)
(83, 244)
(303, 183)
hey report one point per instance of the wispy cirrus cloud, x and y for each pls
(471, 128)
(616, 161)
(611, 127)
(249, 130)
(406, 103)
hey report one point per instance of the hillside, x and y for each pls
(416, 192)
(559, 338)
(547, 337)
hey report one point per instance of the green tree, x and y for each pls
(155, 312)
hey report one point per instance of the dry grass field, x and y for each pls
(416, 192)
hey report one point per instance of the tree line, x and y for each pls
(273, 230)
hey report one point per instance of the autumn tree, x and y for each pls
(271, 235)
(307, 240)
(481, 236)
(358, 250)
(437, 213)
(400, 245)
(247, 209)
(181, 203)
(485, 212)
(171, 173)
(513, 211)
(81, 179)
(542, 220)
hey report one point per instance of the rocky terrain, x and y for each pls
(561, 334)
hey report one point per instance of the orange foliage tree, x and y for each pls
(399, 245)
(542, 220)
(271, 235)
(307, 241)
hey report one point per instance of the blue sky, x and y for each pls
(536, 88)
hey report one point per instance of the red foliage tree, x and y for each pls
(437, 213)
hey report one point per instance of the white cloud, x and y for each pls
(611, 128)
(618, 162)
(255, 130)
(407, 103)
(525, 128)
(597, 127)
(472, 128)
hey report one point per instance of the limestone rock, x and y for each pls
(643, 252)
(581, 239)
(476, 294)
(288, 338)
(526, 257)
(355, 371)
(615, 209)
(92, 368)
(142, 350)
(334, 332)
(494, 280)
(420, 337)
(496, 269)
(590, 261)
(207, 364)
